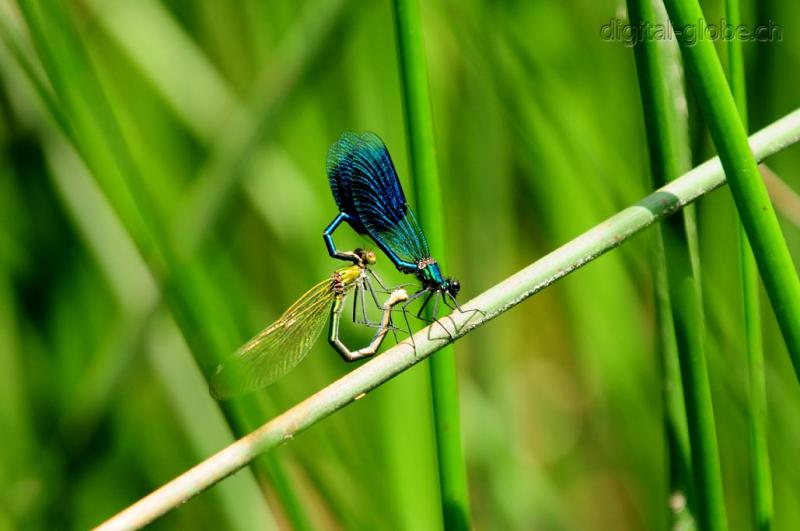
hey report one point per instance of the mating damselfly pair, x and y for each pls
(367, 191)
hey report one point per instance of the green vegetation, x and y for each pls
(428, 197)
(163, 194)
(757, 399)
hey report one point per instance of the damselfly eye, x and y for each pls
(366, 257)
(453, 287)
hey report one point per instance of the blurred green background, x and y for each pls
(217, 116)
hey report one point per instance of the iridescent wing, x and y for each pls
(340, 177)
(278, 348)
(365, 184)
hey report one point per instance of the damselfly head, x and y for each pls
(366, 257)
(452, 286)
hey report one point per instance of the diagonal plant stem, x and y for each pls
(497, 300)
(749, 193)
(428, 195)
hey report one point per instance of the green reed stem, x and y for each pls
(87, 114)
(428, 196)
(668, 142)
(749, 193)
(757, 399)
(676, 274)
(493, 302)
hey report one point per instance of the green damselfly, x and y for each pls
(282, 345)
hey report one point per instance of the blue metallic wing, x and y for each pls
(368, 189)
(340, 177)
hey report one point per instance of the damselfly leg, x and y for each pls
(360, 302)
(437, 296)
(457, 306)
(431, 293)
(360, 306)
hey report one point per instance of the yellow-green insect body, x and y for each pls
(282, 345)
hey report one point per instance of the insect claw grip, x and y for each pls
(396, 297)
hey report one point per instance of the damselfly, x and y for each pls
(282, 345)
(370, 199)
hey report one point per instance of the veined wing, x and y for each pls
(340, 176)
(278, 348)
(376, 195)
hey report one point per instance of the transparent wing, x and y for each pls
(278, 348)
(367, 184)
